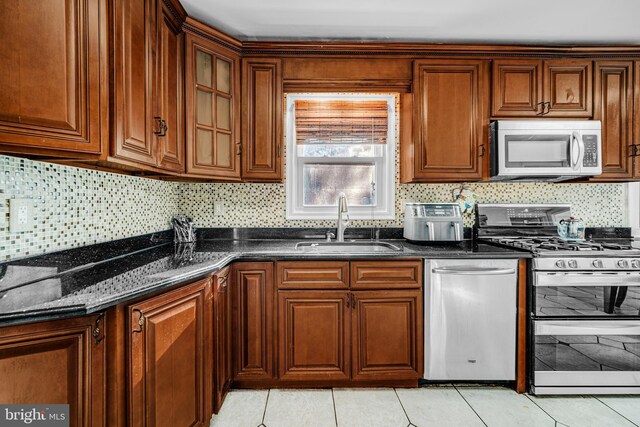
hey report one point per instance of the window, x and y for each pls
(340, 143)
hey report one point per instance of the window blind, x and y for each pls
(341, 121)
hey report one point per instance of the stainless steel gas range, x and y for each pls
(584, 301)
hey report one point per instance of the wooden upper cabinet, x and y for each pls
(167, 358)
(133, 109)
(53, 85)
(314, 342)
(253, 299)
(213, 109)
(169, 102)
(568, 88)
(147, 87)
(56, 362)
(387, 335)
(636, 121)
(517, 88)
(537, 88)
(614, 108)
(450, 119)
(262, 116)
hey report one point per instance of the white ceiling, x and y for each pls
(464, 21)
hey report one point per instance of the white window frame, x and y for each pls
(385, 166)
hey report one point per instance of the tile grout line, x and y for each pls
(402, 406)
(335, 413)
(542, 409)
(622, 415)
(266, 402)
(467, 402)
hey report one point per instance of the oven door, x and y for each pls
(575, 294)
(601, 355)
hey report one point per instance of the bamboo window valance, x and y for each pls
(341, 121)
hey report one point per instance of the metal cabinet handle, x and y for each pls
(346, 300)
(141, 320)
(538, 107)
(96, 330)
(161, 125)
(479, 271)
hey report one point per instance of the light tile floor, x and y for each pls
(455, 406)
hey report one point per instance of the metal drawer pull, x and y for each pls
(141, 320)
(473, 271)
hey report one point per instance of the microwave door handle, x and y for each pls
(576, 155)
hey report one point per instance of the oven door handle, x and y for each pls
(586, 279)
(552, 327)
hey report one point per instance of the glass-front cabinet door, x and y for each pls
(213, 113)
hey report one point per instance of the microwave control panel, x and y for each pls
(590, 151)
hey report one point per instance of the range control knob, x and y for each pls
(623, 263)
(597, 263)
(635, 263)
(573, 263)
(560, 263)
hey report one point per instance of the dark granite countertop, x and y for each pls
(89, 279)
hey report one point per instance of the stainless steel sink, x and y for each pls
(350, 247)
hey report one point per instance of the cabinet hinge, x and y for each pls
(635, 148)
(481, 150)
(239, 148)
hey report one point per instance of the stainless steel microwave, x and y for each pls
(545, 150)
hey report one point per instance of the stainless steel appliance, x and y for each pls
(433, 222)
(470, 319)
(545, 150)
(583, 299)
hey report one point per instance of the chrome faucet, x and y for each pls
(343, 210)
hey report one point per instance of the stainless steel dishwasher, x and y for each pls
(470, 319)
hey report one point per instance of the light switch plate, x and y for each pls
(218, 208)
(20, 215)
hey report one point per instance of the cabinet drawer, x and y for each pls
(313, 275)
(386, 274)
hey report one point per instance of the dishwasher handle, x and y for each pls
(476, 271)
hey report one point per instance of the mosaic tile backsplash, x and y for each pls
(76, 207)
(263, 205)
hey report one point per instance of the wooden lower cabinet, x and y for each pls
(253, 326)
(222, 336)
(167, 358)
(387, 334)
(313, 335)
(56, 362)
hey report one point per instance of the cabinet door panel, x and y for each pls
(213, 110)
(51, 95)
(568, 88)
(517, 88)
(387, 335)
(167, 359)
(222, 336)
(313, 335)
(262, 120)
(55, 362)
(449, 120)
(614, 108)
(133, 138)
(169, 83)
(253, 301)
(636, 120)
(321, 275)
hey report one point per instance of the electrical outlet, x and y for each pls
(218, 208)
(20, 215)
